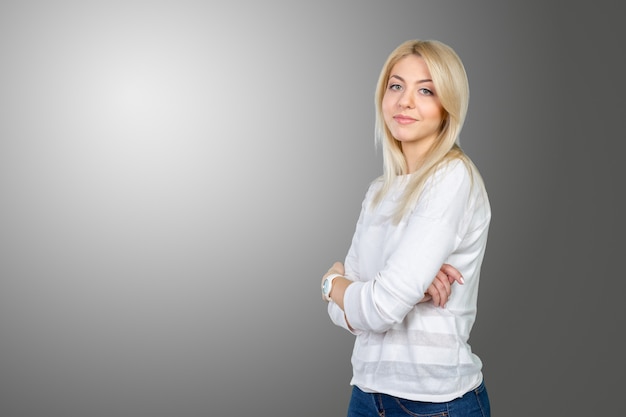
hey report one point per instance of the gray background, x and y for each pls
(175, 177)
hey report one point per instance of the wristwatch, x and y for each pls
(327, 285)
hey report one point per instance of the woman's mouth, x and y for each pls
(403, 120)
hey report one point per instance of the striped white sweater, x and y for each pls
(405, 348)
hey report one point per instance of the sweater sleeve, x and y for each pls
(421, 245)
(351, 262)
(338, 317)
(351, 265)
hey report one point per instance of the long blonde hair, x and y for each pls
(452, 88)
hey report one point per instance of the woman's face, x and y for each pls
(411, 108)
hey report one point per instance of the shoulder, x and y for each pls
(374, 187)
(455, 171)
(457, 181)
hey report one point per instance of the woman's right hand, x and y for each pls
(440, 289)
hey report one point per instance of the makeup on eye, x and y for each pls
(424, 91)
(394, 86)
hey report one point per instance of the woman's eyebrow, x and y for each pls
(426, 80)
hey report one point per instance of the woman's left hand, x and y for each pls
(337, 268)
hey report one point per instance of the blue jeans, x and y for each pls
(474, 403)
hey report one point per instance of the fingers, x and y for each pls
(432, 295)
(452, 273)
(337, 268)
(442, 282)
(438, 297)
(439, 290)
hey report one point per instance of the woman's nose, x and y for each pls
(406, 100)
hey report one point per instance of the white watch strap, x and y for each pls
(330, 279)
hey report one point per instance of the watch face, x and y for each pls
(325, 287)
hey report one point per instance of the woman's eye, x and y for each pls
(395, 87)
(426, 92)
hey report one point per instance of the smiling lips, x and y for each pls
(403, 120)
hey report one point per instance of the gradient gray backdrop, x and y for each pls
(176, 176)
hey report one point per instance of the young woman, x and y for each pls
(429, 208)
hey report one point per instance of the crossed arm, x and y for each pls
(438, 292)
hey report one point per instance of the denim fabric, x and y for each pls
(475, 403)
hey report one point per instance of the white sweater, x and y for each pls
(416, 351)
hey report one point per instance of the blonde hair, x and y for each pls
(452, 88)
